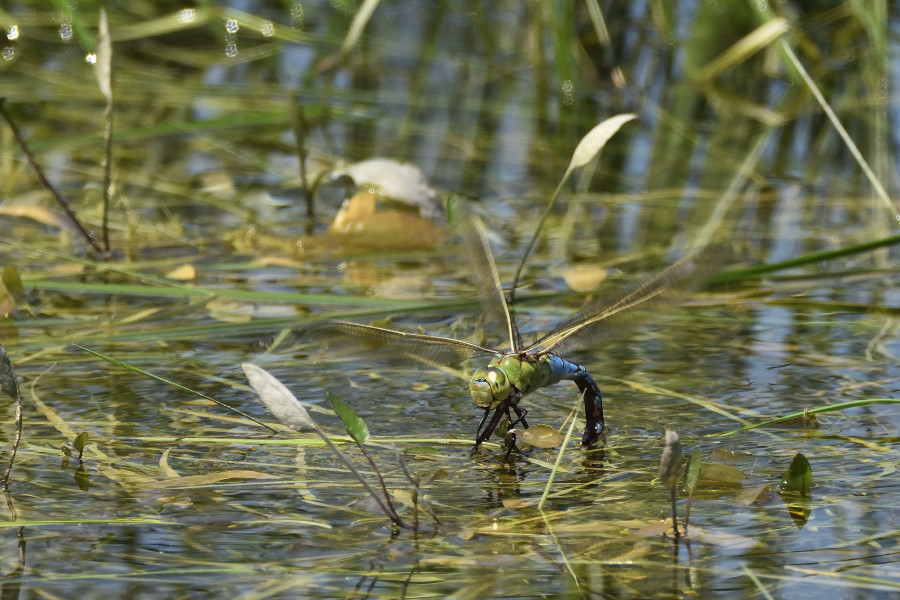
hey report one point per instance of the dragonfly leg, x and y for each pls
(484, 433)
(520, 417)
(593, 408)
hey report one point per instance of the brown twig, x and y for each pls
(89, 236)
(301, 131)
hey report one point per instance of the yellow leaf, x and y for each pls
(183, 273)
(584, 278)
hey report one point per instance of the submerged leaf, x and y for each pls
(355, 426)
(540, 436)
(278, 399)
(718, 474)
(358, 224)
(798, 477)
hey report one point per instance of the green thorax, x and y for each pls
(509, 373)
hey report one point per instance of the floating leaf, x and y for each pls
(692, 473)
(278, 399)
(355, 426)
(670, 462)
(592, 143)
(540, 436)
(358, 224)
(798, 477)
(714, 473)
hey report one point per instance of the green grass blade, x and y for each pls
(812, 411)
(140, 371)
(807, 259)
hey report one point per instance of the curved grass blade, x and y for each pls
(632, 307)
(811, 411)
(134, 369)
(388, 344)
(484, 269)
(589, 146)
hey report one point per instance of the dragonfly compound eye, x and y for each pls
(489, 387)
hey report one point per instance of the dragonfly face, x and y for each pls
(489, 386)
(513, 373)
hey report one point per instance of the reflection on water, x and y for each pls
(488, 102)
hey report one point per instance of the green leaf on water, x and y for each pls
(798, 477)
(692, 473)
(355, 426)
(80, 442)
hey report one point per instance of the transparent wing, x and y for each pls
(484, 271)
(391, 345)
(628, 309)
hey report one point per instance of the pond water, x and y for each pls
(213, 266)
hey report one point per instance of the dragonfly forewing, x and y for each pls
(391, 345)
(623, 311)
(485, 273)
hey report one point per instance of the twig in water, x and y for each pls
(89, 236)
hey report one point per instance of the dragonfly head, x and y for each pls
(489, 387)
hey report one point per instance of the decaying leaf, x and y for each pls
(359, 224)
(278, 399)
(403, 182)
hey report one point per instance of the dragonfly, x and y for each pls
(514, 372)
